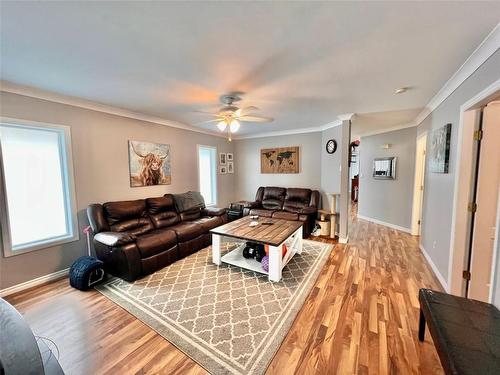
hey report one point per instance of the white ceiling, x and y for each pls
(302, 63)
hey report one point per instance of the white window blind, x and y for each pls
(207, 172)
(38, 204)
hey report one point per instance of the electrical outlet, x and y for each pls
(434, 245)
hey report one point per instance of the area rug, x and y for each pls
(227, 319)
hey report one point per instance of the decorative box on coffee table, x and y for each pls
(275, 233)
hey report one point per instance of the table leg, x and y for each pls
(216, 249)
(275, 260)
(421, 326)
(300, 240)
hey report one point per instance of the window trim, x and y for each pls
(66, 159)
(198, 146)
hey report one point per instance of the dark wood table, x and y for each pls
(274, 233)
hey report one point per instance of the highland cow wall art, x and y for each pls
(149, 164)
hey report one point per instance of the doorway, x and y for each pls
(484, 205)
(418, 191)
(476, 197)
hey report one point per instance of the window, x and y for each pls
(37, 205)
(207, 173)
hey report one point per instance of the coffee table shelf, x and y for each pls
(279, 233)
(235, 258)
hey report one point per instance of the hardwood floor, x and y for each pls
(361, 317)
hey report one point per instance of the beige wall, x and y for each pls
(247, 164)
(100, 158)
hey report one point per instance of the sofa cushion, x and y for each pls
(192, 214)
(296, 199)
(187, 231)
(124, 210)
(162, 211)
(156, 242)
(128, 216)
(285, 215)
(262, 212)
(273, 198)
(209, 223)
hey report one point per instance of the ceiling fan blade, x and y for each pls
(209, 121)
(207, 113)
(249, 109)
(256, 119)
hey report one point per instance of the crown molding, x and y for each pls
(388, 130)
(345, 116)
(32, 92)
(279, 133)
(482, 53)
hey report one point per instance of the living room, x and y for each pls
(239, 187)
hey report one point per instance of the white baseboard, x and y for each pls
(32, 283)
(393, 226)
(344, 240)
(440, 277)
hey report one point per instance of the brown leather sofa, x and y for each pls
(286, 203)
(136, 238)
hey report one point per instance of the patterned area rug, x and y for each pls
(227, 319)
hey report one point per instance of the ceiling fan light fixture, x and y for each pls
(235, 125)
(222, 126)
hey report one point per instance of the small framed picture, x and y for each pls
(230, 166)
(222, 158)
(222, 169)
(229, 156)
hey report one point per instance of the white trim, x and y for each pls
(482, 53)
(94, 106)
(376, 221)
(474, 101)
(417, 204)
(345, 116)
(438, 275)
(69, 176)
(215, 174)
(35, 282)
(344, 240)
(279, 133)
(388, 130)
(495, 260)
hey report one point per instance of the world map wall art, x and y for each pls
(279, 160)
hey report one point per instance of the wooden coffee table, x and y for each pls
(279, 233)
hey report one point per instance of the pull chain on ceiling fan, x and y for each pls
(229, 117)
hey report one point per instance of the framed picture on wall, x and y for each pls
(149, 163)
(222, 169)
(222, 158)
(229, 156)
(439, 154)
(230, 167)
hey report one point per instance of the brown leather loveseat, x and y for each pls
(286, 203)
(136, 238)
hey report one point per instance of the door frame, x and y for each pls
(418, 193)
(461, 195)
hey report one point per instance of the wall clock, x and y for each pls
(331, 146)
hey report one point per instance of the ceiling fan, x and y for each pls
(229, 117)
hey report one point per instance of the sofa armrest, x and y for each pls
(308, 210)
(250, 205)
(114, 238)
(213, 211)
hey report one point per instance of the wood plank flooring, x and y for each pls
(361, 317)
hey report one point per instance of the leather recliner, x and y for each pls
(136, 238)
(294, 204)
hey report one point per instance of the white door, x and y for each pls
(488, 179)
